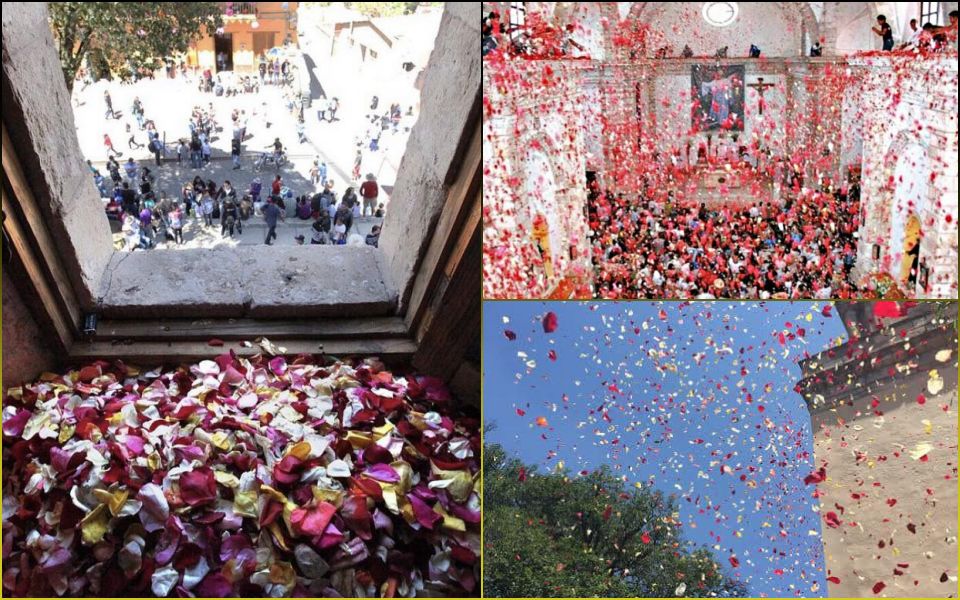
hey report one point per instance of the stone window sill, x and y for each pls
(247, 282)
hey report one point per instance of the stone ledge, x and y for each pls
(247, 281)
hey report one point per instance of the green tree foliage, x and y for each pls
(119, 36)
(550, 535)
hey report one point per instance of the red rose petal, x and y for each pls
(550, 322)
(198, 486)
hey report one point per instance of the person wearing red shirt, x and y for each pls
(369, 191)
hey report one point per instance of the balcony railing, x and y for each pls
(240, 9)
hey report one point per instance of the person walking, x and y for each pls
(370, 192)
(271, 213)
(332, 109)
(137, 111)
(183, 151)
(132, 143)
(156, 146)
(108, 144)
(196, 152)
(357, 161)
(205, 151)
(109, 102)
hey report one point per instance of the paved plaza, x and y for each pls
(271, 113)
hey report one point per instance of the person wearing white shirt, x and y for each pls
(912, 35)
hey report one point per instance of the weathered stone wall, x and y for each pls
(894, 511)
(926, 93)
(534, 167)
(328, 281)
(39, 119)
(449, 101)
(25, 354)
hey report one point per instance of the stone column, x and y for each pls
(869, 433)
(828, 28)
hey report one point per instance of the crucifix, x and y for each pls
(761, 87)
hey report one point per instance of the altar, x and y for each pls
(731, 186)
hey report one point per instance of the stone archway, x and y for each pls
(810, 24)
(908, 161)
(542, 204)
(910, 261)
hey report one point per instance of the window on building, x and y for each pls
(930, 13)
(517, 18)
(720, 14)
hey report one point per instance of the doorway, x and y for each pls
(909, 268)
(223, 51)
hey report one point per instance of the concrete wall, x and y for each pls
(885, 472)
(450, 103)
(25, 354)
(39, 118)
(895, 512)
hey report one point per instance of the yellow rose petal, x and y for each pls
(383, 429)
(245, 504)
(921, 450)
(449, 521)
(113, 500)
(221, 440)
(95, 525)
(300, 450)
(390, 499)
(359, 440)
(227, 479)
(935, 383)
(66, 432)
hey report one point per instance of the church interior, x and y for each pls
(720, 150)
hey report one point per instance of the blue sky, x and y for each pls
(695, 399)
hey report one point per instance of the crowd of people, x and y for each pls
(148, 217)
(925, 38)
(646, 248)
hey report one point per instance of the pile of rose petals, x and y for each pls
(239, 477)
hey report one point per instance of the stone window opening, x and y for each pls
(403, 301)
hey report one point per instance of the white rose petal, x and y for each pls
(338, 468)
(195, 574)
(163, 581)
